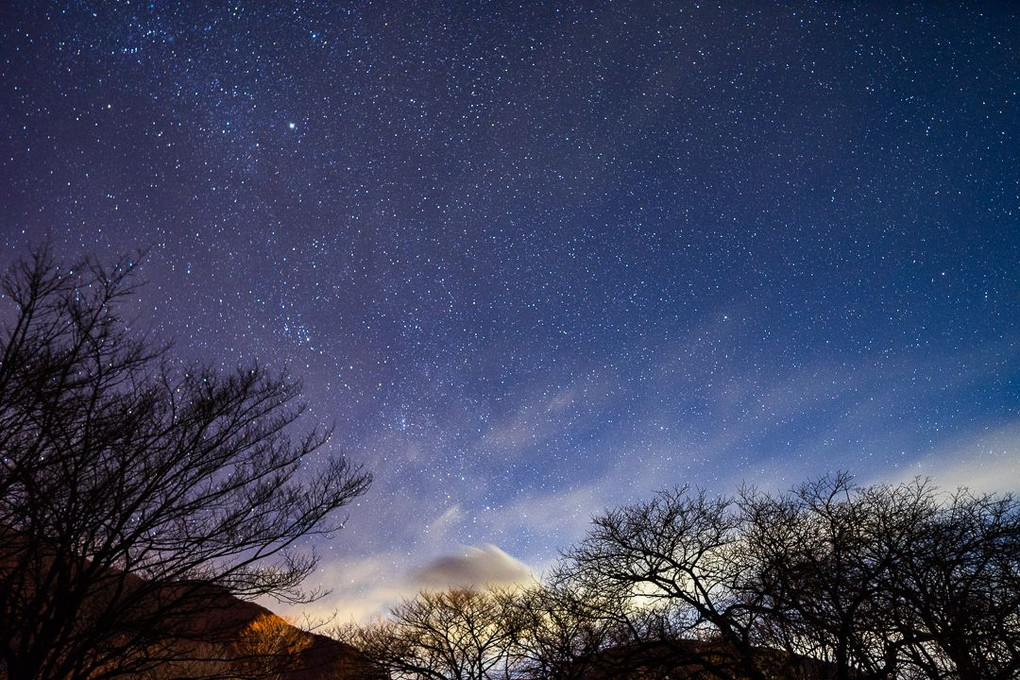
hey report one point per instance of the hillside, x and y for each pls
(244, 638)
(200, 631)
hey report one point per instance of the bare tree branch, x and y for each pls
(131, 489)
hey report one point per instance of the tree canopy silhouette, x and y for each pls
(133, 488)
(876, 582)
(828, 581)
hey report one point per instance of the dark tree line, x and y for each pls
(831, 580)
(136, 491)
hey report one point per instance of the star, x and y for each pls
(530, 265)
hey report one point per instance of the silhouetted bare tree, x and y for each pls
(825, 556)
(889, 581)
(675, 565)
(460, 634)
(848, 581)
(134, 491)
(561, 632)
(957, 591)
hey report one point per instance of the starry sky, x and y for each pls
(537, 259)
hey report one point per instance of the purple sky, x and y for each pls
(534, 261)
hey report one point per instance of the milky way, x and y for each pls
(534, 261)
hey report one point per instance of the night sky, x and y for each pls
(535, 260)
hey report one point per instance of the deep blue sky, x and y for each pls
(537, 260)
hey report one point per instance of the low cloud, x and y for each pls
(366, 589)
(473, 567)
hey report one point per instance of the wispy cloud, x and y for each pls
(534, 422)
(436, 532)
(774, 425)
(984, 462)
